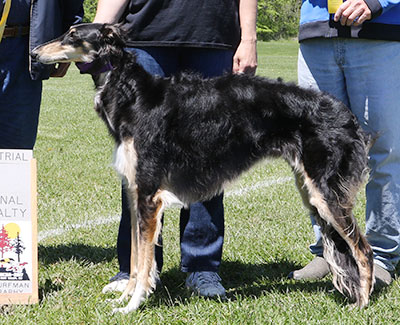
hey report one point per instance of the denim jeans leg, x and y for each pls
(373, 75)
(124, 236)
(20, 96)
(202, 235)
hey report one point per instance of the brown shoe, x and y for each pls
(317, 269)
(383, 278)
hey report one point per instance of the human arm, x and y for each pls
(245, 58)
(110, 11)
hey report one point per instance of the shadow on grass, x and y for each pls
(255, 279)
(80, 252)
(240, 279)
(95, 254)
(243, 280)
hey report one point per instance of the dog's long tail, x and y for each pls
(329, 180)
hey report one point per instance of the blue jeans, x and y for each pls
(202, 225)
(365, 75)
(20, 96)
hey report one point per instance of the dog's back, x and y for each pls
(229, 123)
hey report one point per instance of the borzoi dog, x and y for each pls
(182, 139)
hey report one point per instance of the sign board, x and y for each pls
(18, 228)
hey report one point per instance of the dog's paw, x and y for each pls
(120, 310)
(114, 302)
(115, 286)
(124, 310)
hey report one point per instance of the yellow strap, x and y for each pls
(4, 17)
(333, 5)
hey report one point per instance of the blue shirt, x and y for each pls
(315, 21)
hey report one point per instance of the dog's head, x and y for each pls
(82, 43)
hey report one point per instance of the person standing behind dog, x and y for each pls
(353, 53)
(170, 36)
(29, 23)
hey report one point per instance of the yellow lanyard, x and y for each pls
(333, 5)
(4, 17)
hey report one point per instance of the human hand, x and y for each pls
(353, 12)
(60, 70)
(245, 58)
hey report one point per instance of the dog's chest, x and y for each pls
(99, 105)
(125, 161)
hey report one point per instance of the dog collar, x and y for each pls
(90, 68)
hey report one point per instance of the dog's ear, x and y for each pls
(111, 42)
(112, 35)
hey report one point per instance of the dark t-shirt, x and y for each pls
(194, 23)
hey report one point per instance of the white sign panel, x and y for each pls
(18, 227)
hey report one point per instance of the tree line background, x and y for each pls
(276, 18)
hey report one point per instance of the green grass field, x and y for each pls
(267, 232)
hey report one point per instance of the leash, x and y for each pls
(4, 17)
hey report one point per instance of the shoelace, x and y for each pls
(207, 277)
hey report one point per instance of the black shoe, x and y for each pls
(205, 284)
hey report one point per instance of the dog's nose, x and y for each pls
(33, 54)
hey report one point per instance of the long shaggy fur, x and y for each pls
(190, 136)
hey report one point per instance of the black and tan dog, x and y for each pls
(182, 139)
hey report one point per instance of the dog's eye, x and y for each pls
(72, 34)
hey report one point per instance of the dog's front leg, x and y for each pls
(132, 198)
(125, 162)
(149, 218)
(128, 286)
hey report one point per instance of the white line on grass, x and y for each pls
(107, 220)
(244, 190)
(86, 224)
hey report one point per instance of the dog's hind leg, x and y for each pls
(350, 258)
(345, 248)
(150, 209)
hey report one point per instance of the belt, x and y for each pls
(16, 31)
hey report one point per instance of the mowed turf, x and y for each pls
(267, 232)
